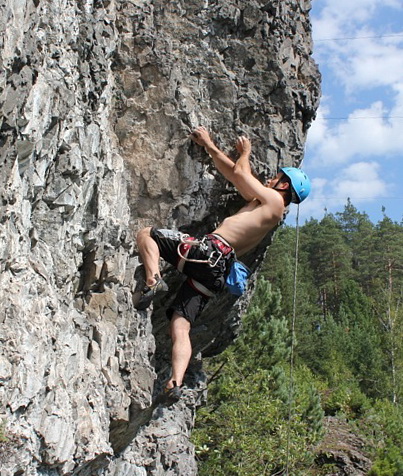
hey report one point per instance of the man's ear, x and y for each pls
(284, 186)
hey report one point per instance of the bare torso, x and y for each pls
(247, 228)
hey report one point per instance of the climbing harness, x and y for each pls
(184, 248)
(238, 275)
(291, 374)
(222, 249)
(187, 242)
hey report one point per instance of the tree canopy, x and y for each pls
(348, 355)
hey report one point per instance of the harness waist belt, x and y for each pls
(221, 249)
(224, 247)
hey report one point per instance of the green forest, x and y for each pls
(320, 340)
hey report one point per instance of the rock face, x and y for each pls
(97, 101)
(342, 451)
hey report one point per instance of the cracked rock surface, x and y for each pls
(97, 100)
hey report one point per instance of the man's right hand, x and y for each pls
(201, 137)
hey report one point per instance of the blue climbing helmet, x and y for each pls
(300, 183)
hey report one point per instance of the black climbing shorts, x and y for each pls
(190, 299)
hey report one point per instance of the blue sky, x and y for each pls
(355, 146)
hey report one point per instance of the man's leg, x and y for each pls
(150, 255)
(181, 348)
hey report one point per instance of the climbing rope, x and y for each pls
(291, 374)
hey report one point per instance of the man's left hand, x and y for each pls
(243, 145)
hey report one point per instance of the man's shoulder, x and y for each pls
(273, 206)
(272, 199)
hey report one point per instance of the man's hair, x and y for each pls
(288, 191)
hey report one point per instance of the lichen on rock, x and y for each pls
(97, 102)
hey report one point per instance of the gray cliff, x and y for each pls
(97, 101)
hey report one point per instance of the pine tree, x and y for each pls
(330, 260)
(313, 415)
(279, 268)
(388, 293)
(359, 233)
(349, 327)
(266, 342)
(243, 429)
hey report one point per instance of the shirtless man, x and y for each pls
(235, 236)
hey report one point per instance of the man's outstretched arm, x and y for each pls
(223, 163)
(238, 173)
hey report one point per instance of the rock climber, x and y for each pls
(207, 261)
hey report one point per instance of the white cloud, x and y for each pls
(344, 15)
(358, 157)
(398, 107)
(338, 16)
(315, 205)
(360, 182)
(366, 133)
(375, 59)
(359, 65)
(319, 128)
(369, 63)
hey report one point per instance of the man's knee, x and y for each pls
(180, 326)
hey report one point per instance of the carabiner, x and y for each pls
(212, 263)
